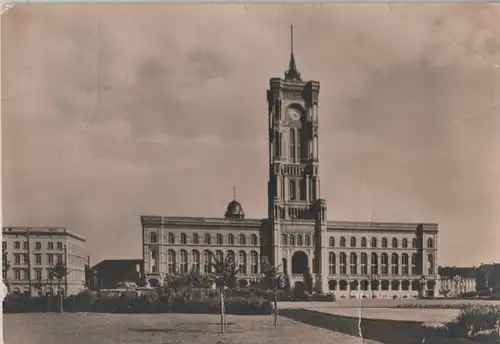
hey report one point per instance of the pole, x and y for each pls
(29, 259)
(66, 269)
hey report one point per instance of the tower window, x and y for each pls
(293, 154)
(293, 190)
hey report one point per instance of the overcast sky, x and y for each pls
(113, 111)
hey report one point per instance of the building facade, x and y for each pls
(456, 281)
(32, 252)
(350, 259)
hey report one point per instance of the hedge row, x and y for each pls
(133, 303)
(433, 306)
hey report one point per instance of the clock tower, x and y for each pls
(294, 183)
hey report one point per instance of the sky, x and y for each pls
(110, 112)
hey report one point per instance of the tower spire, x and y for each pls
(292, 73)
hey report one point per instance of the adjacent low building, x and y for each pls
(31, 253)
(455, 281)
(110, 272)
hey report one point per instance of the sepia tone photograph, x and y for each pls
(250, 173)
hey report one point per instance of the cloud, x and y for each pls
(114, 111)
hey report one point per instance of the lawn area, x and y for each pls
(81, 328)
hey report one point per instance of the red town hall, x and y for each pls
(349, 259)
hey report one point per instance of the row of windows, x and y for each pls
(396, 265)
(38, 245)
(207, 239)
(23, 274)
(193, 261)
(299, 240)
(24, 259)
(374, 242)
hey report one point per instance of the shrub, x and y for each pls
(233, 305)
(481, 322)
(323, 297)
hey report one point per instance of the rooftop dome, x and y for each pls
(234, 210)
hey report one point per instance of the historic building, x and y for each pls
(351, 259)
(31, 253)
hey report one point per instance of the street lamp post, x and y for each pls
(422, 284)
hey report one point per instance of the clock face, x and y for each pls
(293, 115)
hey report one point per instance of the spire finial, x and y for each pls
(292, 74)
(234, 192)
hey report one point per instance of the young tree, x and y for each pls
(272, 279)
(5, 270)
(59, 272)
(224, 276)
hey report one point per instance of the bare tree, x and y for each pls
(272, 279)
(224, 276)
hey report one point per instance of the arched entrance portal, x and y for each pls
(300, 263)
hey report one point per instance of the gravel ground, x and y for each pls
(84, 328)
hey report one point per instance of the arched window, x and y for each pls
(299, 240)
(331, 263)
(414, 243)
(394, 243)
(254, 241)
(208, 240)
(353, 260)
(308, 240)
(292, 240)
(384, 264)
(254, 262)
(171, 238)
(430, 243)
(414, 264)
(342, 242)
(353, 242)
(404, 263)
(207, 262)
(374, 242)
(363, 242)
(364, 263)
(219, 256)
(183, 239)
(299, 136)
(171, 261)
(196, 239)
(231, 257)
(183, 257)
(343, 263)
(394, 264)
(374, 264)
(430, 264)
(332, 242)
(242, 239)
(230, 239)
(284, 242)
(195, 263)
(218, 239)
(293, 189)
(242, 262)
(404, 243)
(384, 242)
(153, 238)
(292, 143)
